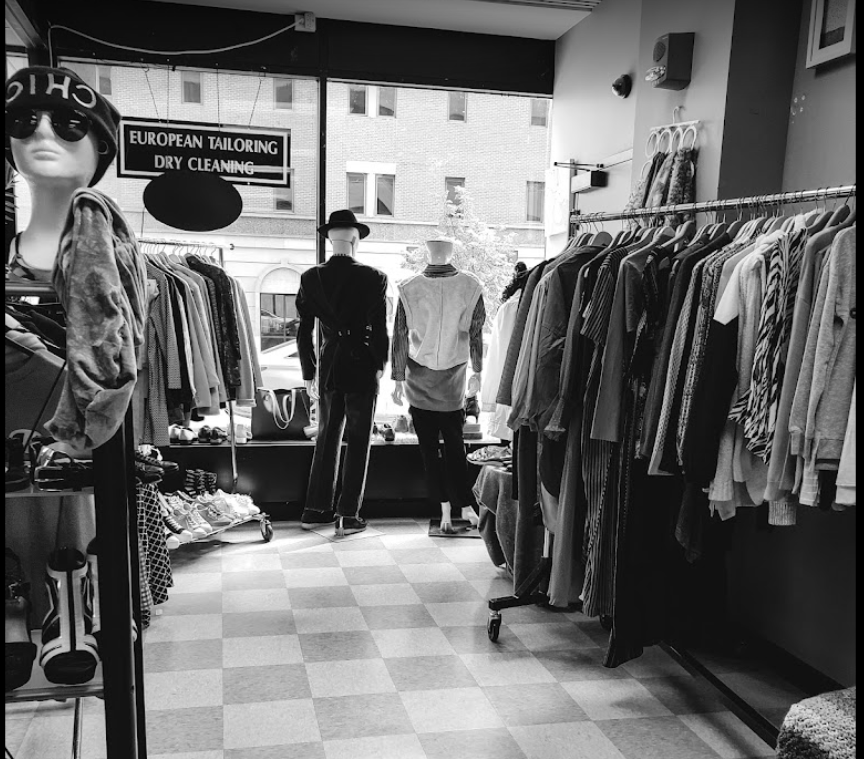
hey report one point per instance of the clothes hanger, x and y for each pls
(683, 235)
(601, 238)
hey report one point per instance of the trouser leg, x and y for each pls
(359, 414)
(325, 461)
(455, 464)
(426, 425)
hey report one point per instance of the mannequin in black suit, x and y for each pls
(347, 298)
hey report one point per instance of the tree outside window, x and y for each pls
(190, 86)
(357, 100)
(457, 106)
(536, 193)
(386, 101)
(385, 192)
(454, 195)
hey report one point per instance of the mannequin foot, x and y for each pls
(469, 514)
(446, 520)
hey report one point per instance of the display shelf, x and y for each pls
(402, 438)
(39, 688)
(32, 491)
(262, 518)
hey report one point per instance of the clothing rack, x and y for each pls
(754, 719)
(732, 204)
(235, 476)
(122, 685)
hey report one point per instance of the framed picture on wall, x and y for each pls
(832, 31)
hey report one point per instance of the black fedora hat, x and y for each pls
(343, 220)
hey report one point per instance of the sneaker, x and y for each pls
(70, 652)
(247, 502)
(312, 519)
(171, 542)
(180, 532)
(195, 513)
(349, 525)
(183, 515)
(233, 503)
(20, 649)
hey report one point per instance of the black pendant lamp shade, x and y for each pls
(195, 201)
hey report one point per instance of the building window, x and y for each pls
(104, 80)
(457, 106)
(283, 93)
(190, 84)
(385, 193)
(357, 100)
(539, 112)
(450, 184)
(536, 191)
(386, 101)
(357, 193)
(278, 321)
(283, 198)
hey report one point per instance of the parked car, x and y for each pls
(280, 366)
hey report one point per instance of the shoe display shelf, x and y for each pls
(262, 519)
(119, 679)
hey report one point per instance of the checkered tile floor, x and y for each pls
(376, 646)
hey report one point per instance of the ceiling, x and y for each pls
(537, 19)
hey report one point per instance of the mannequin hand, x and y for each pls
(312, 389)
(398, 392)
(474, 383)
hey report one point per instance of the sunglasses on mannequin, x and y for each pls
(68, 124)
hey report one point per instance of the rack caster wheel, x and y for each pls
(606, 622)
(266, 530)
(493, 626)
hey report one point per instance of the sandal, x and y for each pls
(491, 454)
(217, 436)
(56, 470)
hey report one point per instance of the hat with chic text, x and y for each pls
(45, 88)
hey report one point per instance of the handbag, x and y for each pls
(281, 414)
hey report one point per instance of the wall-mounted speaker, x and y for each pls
(672, 61)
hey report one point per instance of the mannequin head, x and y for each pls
(440, 250)
(345, 240)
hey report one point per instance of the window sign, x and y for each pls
(238, 154)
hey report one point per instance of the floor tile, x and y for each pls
(575, 740)
(320, 598)
(408, 541)
(764, 690)
(491, 587)
(421, 641)
(46, 737)
(472, 744)
(378, 747)
(536, 704)
(579, 664)
(365, 558)
(318, 577)
(204, 565)
(197, 582)
(473, 554)
(685, 695)
(459, 614)
(416, 555)
(253, 580)
(359, 542)
(306, 542)
(527, 615)
(564, 636)
(295, 751)
(339, 646)
(655, 738)
(447, 592)
(273, 682)
(482, 570)
(331, 619)
(397, 617)
(304, 560)
(654, 662)
(387, 575)
(243, 601)
(397, 594)
(189, 755)
(432, 572)
(351, 717)
(251, 563)
(261, 650)
(182, 730)
(429, 673)
(185, 627)
(258, 623)
(349, 678)
(183, 689)
(475, 640)
(401, 527)
(615, 699)
(727, 735)
(183, 655)
(506, 669)
(438, 711)
(272, 723)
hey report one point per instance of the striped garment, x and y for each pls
(756, 410)
(399, 357)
